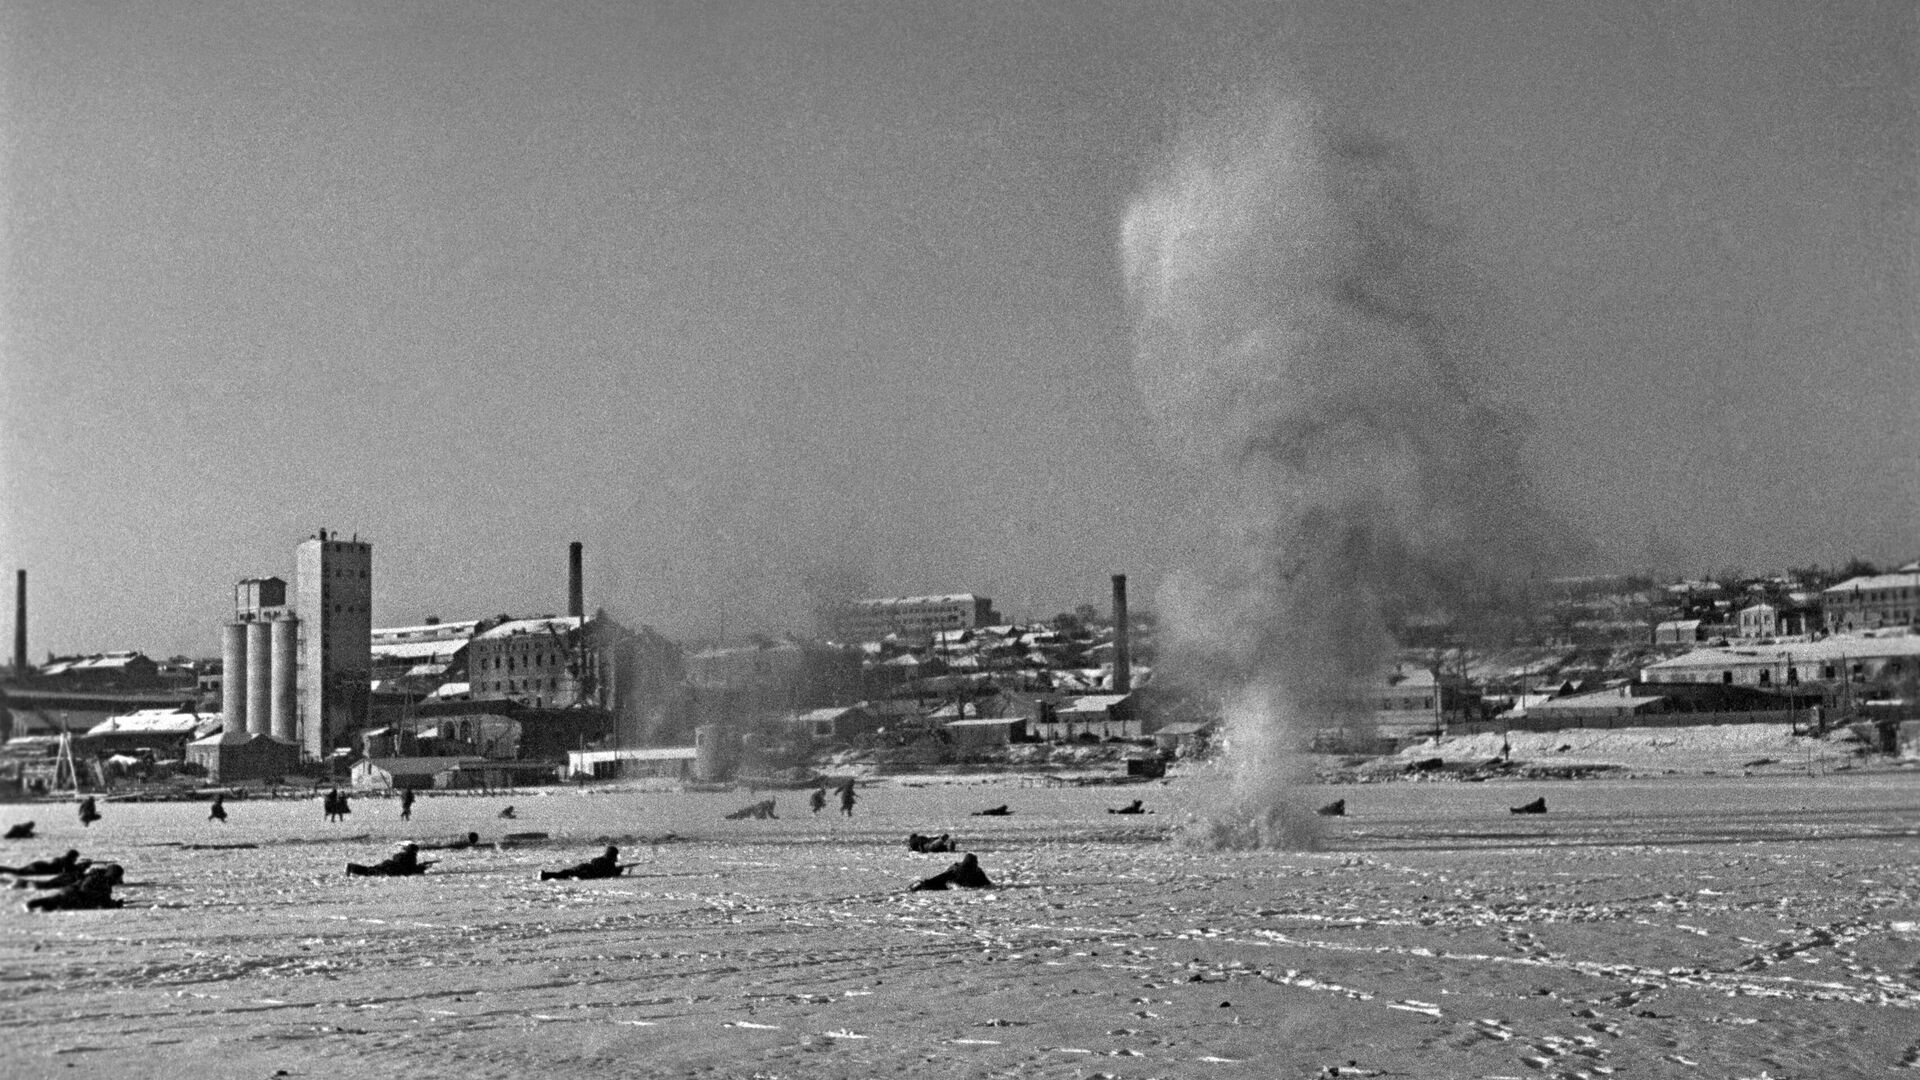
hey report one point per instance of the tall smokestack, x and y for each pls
(576, 590)
(20, 625)
(1122, 655)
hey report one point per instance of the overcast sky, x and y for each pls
(768, 302)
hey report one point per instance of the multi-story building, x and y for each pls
(334, 595)
(909, 616)
(561, 662)
(1869, 603)
(546, 663)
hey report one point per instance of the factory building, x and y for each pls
(548, 662)
(258, 662)
(259, 734)
(575, 662)
(334, 595)
(297, 673)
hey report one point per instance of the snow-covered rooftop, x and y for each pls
(552, 624)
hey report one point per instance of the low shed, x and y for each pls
(988, 731)
(241, 755)
(675, 762)
(394, 773)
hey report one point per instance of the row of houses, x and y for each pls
(1859, 604)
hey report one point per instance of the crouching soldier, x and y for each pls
(604, 865)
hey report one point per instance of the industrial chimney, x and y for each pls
(1122, 658)
(20, 625)
(576, 591)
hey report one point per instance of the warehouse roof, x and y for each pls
(152, 722)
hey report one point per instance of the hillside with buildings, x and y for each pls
(306, 686)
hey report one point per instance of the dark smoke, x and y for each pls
(1302, 333)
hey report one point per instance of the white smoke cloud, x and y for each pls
(1302, 335)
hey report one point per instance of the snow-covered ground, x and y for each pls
(1655, 750)
(1719, 926)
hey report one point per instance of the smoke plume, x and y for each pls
(1303, 337)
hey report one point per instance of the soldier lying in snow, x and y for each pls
(39, 867)
(604, 865)
(93, 890)
(403, 863)
(965, 874)
(760, 810)
(470, 840)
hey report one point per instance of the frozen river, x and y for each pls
(1715, 926)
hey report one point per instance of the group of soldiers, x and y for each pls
(74, 883)
(70, 882)
(818, 800)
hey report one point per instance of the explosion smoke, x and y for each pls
(1301, 335)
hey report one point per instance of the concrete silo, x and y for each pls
(233, 677)
(285, 716)
(259, 676)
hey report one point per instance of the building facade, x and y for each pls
(573, 662)
(1406, 703)
(910, 616)
(334, 595)
(546, 663)
(1870, 603)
